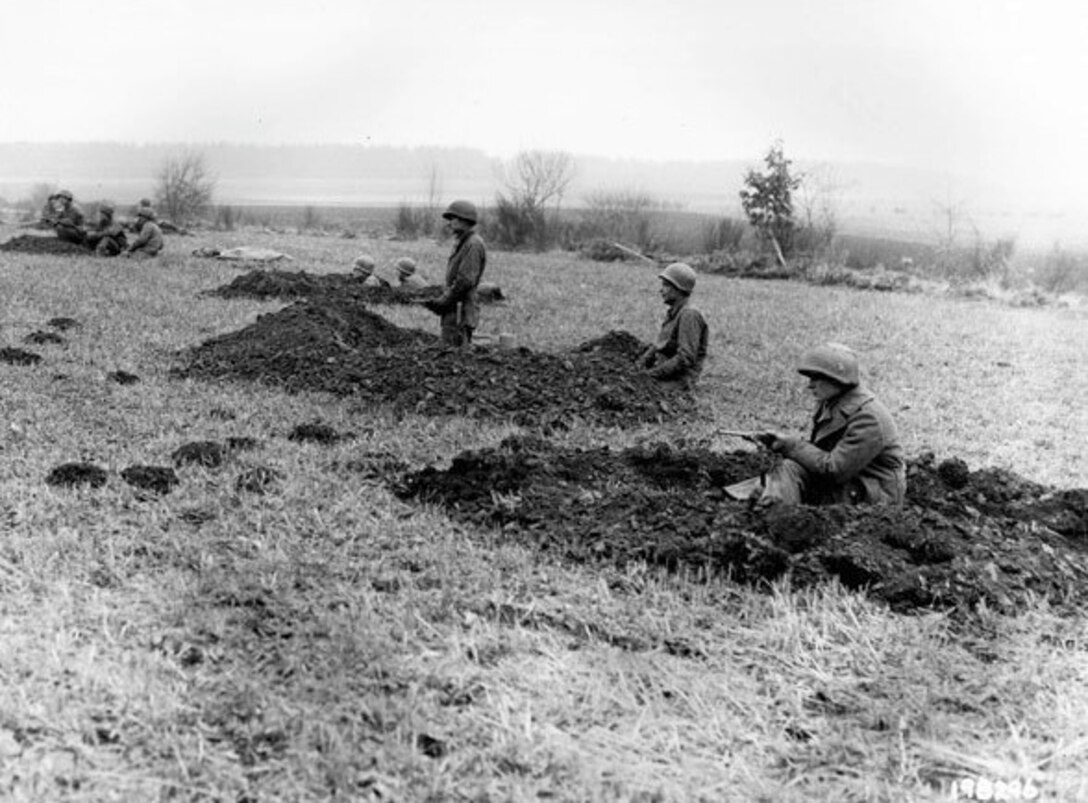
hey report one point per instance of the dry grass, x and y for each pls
(326, 641)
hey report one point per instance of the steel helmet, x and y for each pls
(106, 207)
(406, 266)
(466, 210)
(364, 264)
(830, 361)
(65, 194)
(145, 211)
(680, 275)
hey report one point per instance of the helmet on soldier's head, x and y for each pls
(364, 265)
(145, 212)
(406, 266)
(106, 208)
(65, 194)
(832, 361)
(680, 275)
(465, 210)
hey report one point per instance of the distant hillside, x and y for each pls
(867, 198)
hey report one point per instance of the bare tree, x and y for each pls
(185, 187)
(535, 181)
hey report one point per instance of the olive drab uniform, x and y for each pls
(68, 223)
(678, 354)
(458, 306)
(108, 238)
(852, 456)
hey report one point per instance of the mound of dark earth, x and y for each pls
(122, 377)
(996, 539)
(157, 479)
(31, 244)
(70, 475)
(340, 347)
(15, 356)
(263, 284)
(42, 338)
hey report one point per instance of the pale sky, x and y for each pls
(977, 87)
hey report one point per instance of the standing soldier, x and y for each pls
(148, 242)
(457, 306)
(66, 218)
(678, 355)
(108, 237)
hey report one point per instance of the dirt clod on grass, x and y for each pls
(997, 540)
(70, 475)
(16, 356)
(63, 324)
(258, 480)
(122, 377)
(207, 454)
(32, 244)
(42, 338)
(315, 432)
(158, 479)
(340, 347)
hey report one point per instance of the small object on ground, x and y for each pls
(160, 479)
(72, 474)
(14, 356)
(954, 473)
(315, 433)
(257, 480)
(122, 377)
(242, 443)
(208, 454)
(64, 324)
(42, 338)
(489, 292)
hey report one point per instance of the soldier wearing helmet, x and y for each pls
(108, 237)
(678, 354)
(408, 277)
(853, 454)
(458, 306)
(64, 215)
(363, 269)
(148, 242)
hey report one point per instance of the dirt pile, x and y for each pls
(339, 347)
(264, 284)
(32, 244)
(996, 539)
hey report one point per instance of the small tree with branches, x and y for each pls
(767, 199)
(185, 187)
(535, 183)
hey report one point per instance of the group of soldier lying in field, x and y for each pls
(106, 236)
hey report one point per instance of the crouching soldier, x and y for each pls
(66, 218)
(853, 455)
(148, 241)
(678, 354)
(458, 307)
(108, 237)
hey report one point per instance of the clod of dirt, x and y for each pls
(14, 356)
(122, 377)
(208, 454)
(999, 540)
(258, 480)
(954, 473)
(30, 244)
(159, 479)
(242, 443)
(64, 324)
(315, 433)
(338, 347)
(222, 414)
(73, 474)
(40, 338)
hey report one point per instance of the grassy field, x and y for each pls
(327, 641)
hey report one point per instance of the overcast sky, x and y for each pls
(976, 87)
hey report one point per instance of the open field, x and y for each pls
(326, 640)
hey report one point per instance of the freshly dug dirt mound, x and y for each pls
(30, 244)
(340, 347)
(41, 338)
(72, 474)
(14, 356)
(263, 284)
(997, 539)
(158, 479)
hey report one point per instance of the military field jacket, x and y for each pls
(681, 345)
(463, 271)
(853, 450)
